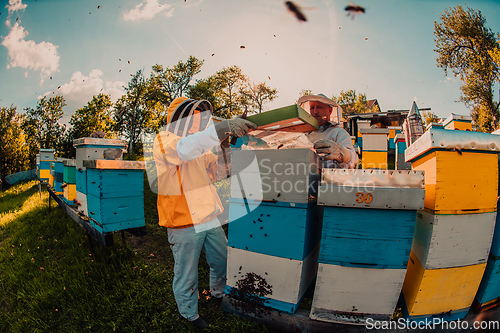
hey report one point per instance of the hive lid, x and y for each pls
(457, 117)
(114, 164)
(98, 142)
(373, 178)
(290, 118)
(435, 138)
(45, 150)
(374, 131)
(68, 162)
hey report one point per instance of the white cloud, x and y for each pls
(28, 54)
(15, 5)
(146, 10)
(448, 79)
(81, 89)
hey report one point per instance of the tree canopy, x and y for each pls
(466, 47)
(352, 102)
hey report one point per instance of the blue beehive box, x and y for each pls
(115, 194)
(275, 223)
(368, 225)
(57, 173)
(89, 149)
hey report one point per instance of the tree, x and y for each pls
(222, 90)
(430, 117)
(170, 83)
(131, 113)
(95, 116)
(13, 151)
(352, 102)
(258, 94)
(41, 125)
(465, 46)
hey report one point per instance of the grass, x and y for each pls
(50, 282)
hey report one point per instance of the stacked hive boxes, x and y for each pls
(275, 223)
(46, 156)
(458, 122)
(69, 181)
(374, 148)
(393, 132)
(362, 124)
(115, 194)
(368, 224)
(453, 235)
(57, 170)
(400, 143)
(88, 149)
(488, 294)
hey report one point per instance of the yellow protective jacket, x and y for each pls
(186, 196)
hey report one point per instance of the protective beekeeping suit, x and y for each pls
(330, 140)
(188, 203)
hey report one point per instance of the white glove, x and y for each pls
(235, 127)
(332, 151)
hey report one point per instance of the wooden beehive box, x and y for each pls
(393, 132)
(69, 172)
(47, 154)
(443, 241)
(287, 175)
(458, 122)
(290, 118)
(57, 173)
(115, 194)
(459, 168)
(374, 148)
(488, 292)
(368, 223)
(89, 149)
(445, 293)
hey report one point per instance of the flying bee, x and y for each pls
(295, 10)
(353, 10)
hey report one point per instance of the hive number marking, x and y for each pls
(366, 197)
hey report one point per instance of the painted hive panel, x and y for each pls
(374, 238)
(289, 279)
(489, 289)
(290, 118)
(459, 183)
(443, 241)
(288, 175)
(286, 230)
(81, 180)
(69, 192)
(375, 142)
(353, 294)
(82, 201)
(374, 160)
(429, 292)
(116, 213)
(115, 183)
(69, 174)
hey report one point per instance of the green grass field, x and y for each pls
(50, 282)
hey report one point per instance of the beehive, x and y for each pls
(69, 181)
(46, 156)
(57, 170)
(400, 144)
(89, 149)
(115, 194)
(445, 293)
(374, 148)
(51, 174)
(362, 124)
(393, 132)
(275, 228)
(458, 122)
(368, 224)
(459, 167)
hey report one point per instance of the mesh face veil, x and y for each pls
(189, 116)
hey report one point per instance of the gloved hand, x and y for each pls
(332, 151)
(235, 127)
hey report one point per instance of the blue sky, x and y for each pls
(81, 48)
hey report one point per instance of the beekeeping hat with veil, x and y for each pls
(187, 116)
(335, 117)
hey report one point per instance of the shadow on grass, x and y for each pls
(12, 201)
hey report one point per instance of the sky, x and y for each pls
(79, 49)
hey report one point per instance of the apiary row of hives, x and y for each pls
(109, 192)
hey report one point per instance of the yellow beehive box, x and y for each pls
(374, 160)
(458, 122)
(70, 192)
(461, 170)
(429, 292)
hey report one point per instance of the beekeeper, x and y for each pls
(330, 140)
(188, 203)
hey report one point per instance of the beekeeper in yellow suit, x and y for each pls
(188, 203)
